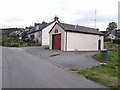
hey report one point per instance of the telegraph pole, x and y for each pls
(95, 20)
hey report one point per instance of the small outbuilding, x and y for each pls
(69, 37)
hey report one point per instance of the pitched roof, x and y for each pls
(79, 29)
(41, 27)
(113, 32)
(47, 24)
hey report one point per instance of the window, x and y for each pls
(112, 36)
(32, 36)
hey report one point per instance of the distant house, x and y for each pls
(40, 33)
(117, 39)
(20, 32)
(69, 37)
(112, 34)
(29, 30)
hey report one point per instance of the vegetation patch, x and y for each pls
(111, 46)
(105, 74)
(14, 41)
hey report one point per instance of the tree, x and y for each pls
(24, 36)
(112, 26)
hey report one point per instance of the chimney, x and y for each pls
(44, 22)
(56, 18)
(35, 24)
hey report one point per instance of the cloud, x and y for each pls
(12, 22)
(87, 18)
(27, 12)
(13, 19)
(7, 26)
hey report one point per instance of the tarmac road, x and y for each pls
(70, 59)
(23, 70)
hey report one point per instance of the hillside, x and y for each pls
(6, 31)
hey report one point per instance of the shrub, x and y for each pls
(107, 40)
(111, 46)
(15, 45)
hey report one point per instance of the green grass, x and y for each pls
(105, 74)
(110, 46)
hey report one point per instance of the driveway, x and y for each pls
(69, 60)
(23, 70)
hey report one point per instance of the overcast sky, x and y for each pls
(21, 13)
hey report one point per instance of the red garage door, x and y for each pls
(56, 41)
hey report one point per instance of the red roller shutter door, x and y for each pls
(56, 41)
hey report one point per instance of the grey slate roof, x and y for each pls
(113, 32)
(80, 29)
(31, 30)
(41, 27)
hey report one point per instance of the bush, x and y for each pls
(111, 46)
(15, 45)
(117, 41)
(107, 40)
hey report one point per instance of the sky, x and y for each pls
(22, 13)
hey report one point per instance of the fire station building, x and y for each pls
(69, 37)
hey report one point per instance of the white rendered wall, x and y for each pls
(111, 36)
(83, 42)
(29, 36)
(60, 31)
(38, 37)
(77, 41)
(45, 34)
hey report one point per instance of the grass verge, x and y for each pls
(105, 74)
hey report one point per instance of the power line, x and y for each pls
(95, 18)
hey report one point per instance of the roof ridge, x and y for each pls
(79, 26)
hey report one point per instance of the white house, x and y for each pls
(30, 32)
(41, 32)
(111, 36)
(69, 37)
(45, 31)
(38, 33)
